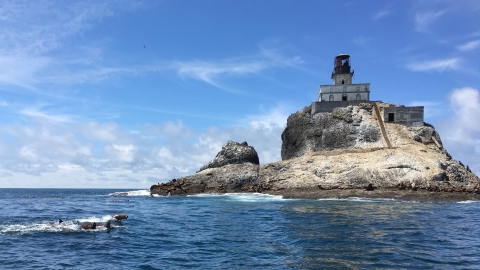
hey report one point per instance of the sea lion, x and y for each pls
(60, 223)
(120, 216)
(107, 225)
(89, 226)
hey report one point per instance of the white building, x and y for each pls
(342, 88)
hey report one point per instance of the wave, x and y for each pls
(242, 197)
(358, 199)
(133, 193)
(469, 201)
(53, 227)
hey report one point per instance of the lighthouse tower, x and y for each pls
(342, 88)
(341, 72)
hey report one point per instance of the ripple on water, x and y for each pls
(234, 231)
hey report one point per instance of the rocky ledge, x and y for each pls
(338, 154)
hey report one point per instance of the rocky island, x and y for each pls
(345, 147)
(338, 154)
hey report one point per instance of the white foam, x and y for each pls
(67, 226)
(357, 199)
(469, 201)
(242, 197)
(94, 219)
(133, 193)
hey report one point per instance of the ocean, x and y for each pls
(232, 231)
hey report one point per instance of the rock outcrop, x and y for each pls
(236, 166)
(340, 150)
(233, 153)
(345, 128)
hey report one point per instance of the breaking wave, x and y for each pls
(133, 193)
(469, 201)
(357, 199)
(54, 227)
(242, 197)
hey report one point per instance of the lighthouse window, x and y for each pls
(343, 82)
(358, 97)
(330, 98)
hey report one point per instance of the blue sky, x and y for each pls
(124, 94)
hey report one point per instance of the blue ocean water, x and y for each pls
(233, 231)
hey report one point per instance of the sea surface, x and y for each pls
(232, 231)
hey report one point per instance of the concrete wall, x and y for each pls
(337, 91)
(408, 116)
(318, 107)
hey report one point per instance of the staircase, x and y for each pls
(382, 125)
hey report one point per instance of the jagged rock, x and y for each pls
(344, 114)
(233, 153)
(366, 106)
(344, 128)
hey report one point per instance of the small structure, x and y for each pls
(407, 116)
(343, 93)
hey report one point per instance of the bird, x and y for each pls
(144, 46)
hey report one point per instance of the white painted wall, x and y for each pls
(337, 91)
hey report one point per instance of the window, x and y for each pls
(343, 82)
(330, 98)
(344, 97)
(359, 97)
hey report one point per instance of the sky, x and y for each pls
(125, 94)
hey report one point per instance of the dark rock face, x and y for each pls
(341, 129)
(228, 178)
(233, 153)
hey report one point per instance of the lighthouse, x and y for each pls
(342, 88)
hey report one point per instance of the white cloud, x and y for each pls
(471, 45)
(34, 35)
(93, 154)
(435, 65)
(361, 41)
(381, 14)
(212, 71)
(431, 109)
(424, 20)
(36, 113)
(461, 131)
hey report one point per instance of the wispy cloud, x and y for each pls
(435, 65)
(212, 72)
(475, 34)
(424, 20)
(432, 109)
(361, 41)
(56, 118)
(381, 14)
(471, 45)
(35, 33)
(40, 112)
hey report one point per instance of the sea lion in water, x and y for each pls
(120, 216)
(89, 226)
(60, 223)
(107, 225)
